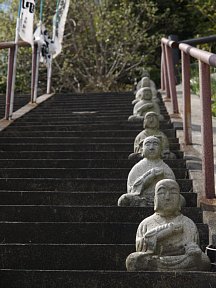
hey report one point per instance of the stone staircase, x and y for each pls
(19, 101)
(63, 167)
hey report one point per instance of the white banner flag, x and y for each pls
(43, 39)
(27, 20)
(59, 24)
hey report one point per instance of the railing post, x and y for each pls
(49, 75)
(34, 73)
(166, 81)
(186, 98)
(175, 55)
(162, 69)
(206, 130)
(171, 77)
(9, 81)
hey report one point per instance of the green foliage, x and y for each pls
(194, 81)
(207, 25)
(7, 33)
(213, 89)
(3, 70)
(8, 22)
(107, 42)
(112, 42)
(194, 84)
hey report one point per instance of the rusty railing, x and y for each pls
(168, 83)
(10, 46)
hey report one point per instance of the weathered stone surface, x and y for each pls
(105, 279)
(151, 128)
(47, 220)
(70, 213)
(167, 240)
(146, 82)
(145, 174)
(144, 105)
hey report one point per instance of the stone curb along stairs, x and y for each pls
(63, 167)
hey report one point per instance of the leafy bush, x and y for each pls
(194, 81)
(109, 45)
(194, 84)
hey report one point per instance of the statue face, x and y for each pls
(147, 94)
(167, 199)
(152, 148)
(145, 82)
(151, 121)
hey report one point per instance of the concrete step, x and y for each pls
(45, 213)
(84, 120)
(76, 233)
(77, 118)
(109, 147)
(76, 126)
(53, 137)
(60, 221)
(118, 173)
(101, 198)
(104, 279)
(108, 115)
(19, 101)
(96, 133)
(74, 184)
(76, 163)
(23, 145)
(68, 131)
(88, 109)
(32, 127)
(102, 155)
(65, 256)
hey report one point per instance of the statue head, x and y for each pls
(152, 148)
(167, 198)
(145, 82)
(139, 94)
(146, 93)
(151, 120)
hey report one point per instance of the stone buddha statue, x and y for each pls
(167, 240)
(151, 128)
(146, 82)
(146, 104)
(145, 174)
(145, 73)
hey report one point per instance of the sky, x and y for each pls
(5, 5)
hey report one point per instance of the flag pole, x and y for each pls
(14, 62)
(49, 75)
(38, 55)
(49, 69)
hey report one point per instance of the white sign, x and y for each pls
(43, 39)
(27, 21)
(59, 25)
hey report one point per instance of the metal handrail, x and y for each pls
(7, 45)
(168, 83)
(11, 53)
(11, 47)
(200, 40)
